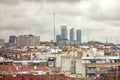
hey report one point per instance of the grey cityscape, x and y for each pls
(59, 40)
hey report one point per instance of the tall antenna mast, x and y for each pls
(106, 40)
(54, 24)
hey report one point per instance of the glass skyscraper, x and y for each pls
(63, 32)
(72, 34)
(12, 39)
(58, 38)
(78, 35)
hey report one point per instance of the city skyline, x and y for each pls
(97, 19)
(79, 35)
(64, 32)
(72, 38)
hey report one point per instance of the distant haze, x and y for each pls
(98, 19)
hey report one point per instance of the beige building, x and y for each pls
(97, 65)
(2, 42)
(72, 64)
(28, 40)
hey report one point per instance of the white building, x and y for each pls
(72, 64)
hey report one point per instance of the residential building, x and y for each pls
(64, 43)
(72, 63)
(101, 66)
(28, 40)
(78, 35)
(72, 34)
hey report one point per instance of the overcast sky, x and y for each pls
(98, 19)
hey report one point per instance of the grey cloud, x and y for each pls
(38, 1)
(29, 17)
(9, 2)
(103, 12)
(52, 1)
(102, 17)
(115, 23)
(94, 11)
(27, 25)
(12, 27)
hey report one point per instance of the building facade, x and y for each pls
(58, 38)
(28, 40)
(63, 32)
(78, 35)
(72, 64)
(2, 42)
(72, 34)
(12, 39)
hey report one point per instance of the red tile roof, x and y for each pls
(40, 68)
(36, 77)
(20, 68)
(8, 67)
(24, 68)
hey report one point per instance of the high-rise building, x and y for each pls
(63, 32)
(28, 40)
(12, 39)
(78, 35)
(72, 34)
(58, 38)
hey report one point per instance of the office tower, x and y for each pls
(78, 35)
(72, 34)
(63, 32)
(2, 42)
(58, 38)
(12, 39)
(28, 40)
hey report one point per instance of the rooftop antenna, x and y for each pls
(88, 38)
(117, 41)
(54, 40)
(54, 24)
(106, 40)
